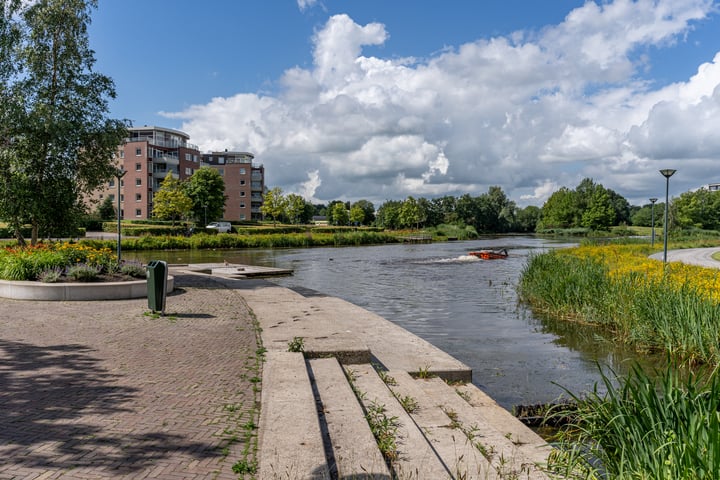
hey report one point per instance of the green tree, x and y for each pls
(698, 209)
(171, 202)
(368, 211)
(357, 215)
(388, 215)
(206, 189)
(599, 213)
(274, 204)
(56, 141)
(561, 210)
(294, 207)
(411, 213)
(106, 210)
(339, 214)
(527, 219)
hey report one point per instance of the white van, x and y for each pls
(221, 227)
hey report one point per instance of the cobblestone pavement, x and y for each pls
(104, 390)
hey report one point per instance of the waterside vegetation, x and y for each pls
(673, 308)
(662, 424)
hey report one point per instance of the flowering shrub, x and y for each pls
(29, 263)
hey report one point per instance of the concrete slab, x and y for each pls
(459, 454)
(332, 326)
(284, 315)
(503, 421)
(290, 443)
(393, 346)
(507, 456)
(416, 458)
(353, 446)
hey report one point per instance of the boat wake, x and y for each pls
(460, 259)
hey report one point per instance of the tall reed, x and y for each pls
(664, 427)
(674, 309)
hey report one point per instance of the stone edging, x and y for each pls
(19, 290)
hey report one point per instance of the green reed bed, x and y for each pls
(651, 314)
(663, 428)
(240, 241)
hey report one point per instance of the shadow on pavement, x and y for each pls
(48, 395)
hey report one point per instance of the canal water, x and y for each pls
(463, 305)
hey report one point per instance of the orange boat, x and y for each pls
(490, 254)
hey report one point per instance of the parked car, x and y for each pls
(220, 227)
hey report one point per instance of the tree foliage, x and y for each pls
(590, 205)
(274, 204)
(56, 140)
(206, 189)
(171, 202)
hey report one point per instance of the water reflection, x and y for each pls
(464, 305)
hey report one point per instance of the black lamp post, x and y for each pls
(667, 173)
(119, 174)
(652, 221)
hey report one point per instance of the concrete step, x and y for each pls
(290, 442)
(353, 447)
(459, 454)
(285, 315)
(416, 458)
(391, 345)
(511, 448)
(530, 443)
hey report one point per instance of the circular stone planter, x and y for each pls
(77, 291)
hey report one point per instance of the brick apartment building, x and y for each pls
(244, 183)
(149, 153)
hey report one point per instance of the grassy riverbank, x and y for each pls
(238, 241)
(658, 425)
(673, 308)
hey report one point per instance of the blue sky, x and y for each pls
(382, 99)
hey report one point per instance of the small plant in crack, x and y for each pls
(297, 344)
(408, 403)
(423, 372)
(384, 429)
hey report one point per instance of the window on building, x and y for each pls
(221, 171)
(122, 183)
(242, 216)
(122, 153)
(111, 197)
(122, 197)
(242, 171)
(138, 197)
(138, 182)
(138, 152)
(138, 213)
(242, 182)
(242, 204)
(221, 160)
(112, 183)
(188, 171)
(242, 194)
(188, 157)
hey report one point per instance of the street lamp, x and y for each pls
(652, 221)
(120, 173)
(667, 173)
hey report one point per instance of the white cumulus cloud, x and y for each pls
(529, 113)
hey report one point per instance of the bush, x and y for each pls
(83, 273)
(133, 269)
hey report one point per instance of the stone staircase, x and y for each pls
(358, 373)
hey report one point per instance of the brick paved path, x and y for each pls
(99, 390)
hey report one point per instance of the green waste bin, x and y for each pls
(157, 273)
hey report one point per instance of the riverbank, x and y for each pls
(125, 394)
